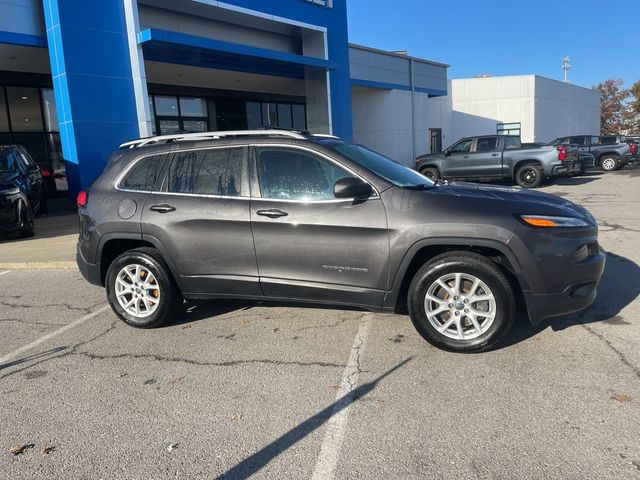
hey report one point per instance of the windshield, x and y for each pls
(8, 161)
(391, 171)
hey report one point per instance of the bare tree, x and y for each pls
(613, 106)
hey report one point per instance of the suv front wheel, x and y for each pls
(141, 290)
(461, 302)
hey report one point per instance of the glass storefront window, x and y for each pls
(169, 127)
(194, 126)
(4, 120)
(299, 117)
(254, 115)
(24, 109)
(166, 106)
(284, 116)
(49, 110)
(193, 107)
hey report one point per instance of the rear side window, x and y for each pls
(142, 176)
(217, 171)
(511, 143)
(487, 144)
(581, 141)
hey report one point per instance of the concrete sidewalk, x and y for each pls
(53, 246)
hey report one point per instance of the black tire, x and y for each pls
(168, 294)
(430, 172)
(610, 163)
(27, 224)
(529, 176)
(469, 265)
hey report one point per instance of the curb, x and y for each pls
(39, 265)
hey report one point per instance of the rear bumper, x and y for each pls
(91, 272)
(566, 168)
(573, 298)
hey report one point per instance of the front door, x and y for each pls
(458, 161)
(309, 244)
(200, 215)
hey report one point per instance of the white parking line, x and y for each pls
(337, 424)
(7, 271)
(51, 335)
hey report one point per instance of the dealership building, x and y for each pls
(79, 78)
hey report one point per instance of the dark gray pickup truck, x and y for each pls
(499, 157)
(611, 152)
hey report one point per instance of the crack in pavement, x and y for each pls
(27, 322)
(623, 358)
(328, 325)
(66, 306)
(74, 351)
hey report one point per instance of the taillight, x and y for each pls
(82, 198)
(633, 148)
(562, 153)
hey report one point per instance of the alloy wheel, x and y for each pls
(137, 290)
(460, 306)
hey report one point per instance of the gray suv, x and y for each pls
(281, 215)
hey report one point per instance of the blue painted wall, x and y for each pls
(92, 81)
(335, 20)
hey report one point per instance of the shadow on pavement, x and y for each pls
(620, 285)
(29, 358)
(258, 460)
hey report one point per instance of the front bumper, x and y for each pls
(576, 296)
(91, 272)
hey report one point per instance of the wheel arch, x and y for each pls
(522, 163)
(423, 251)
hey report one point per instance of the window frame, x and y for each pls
(477, 141)
(256, 192)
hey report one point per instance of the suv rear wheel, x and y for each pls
(461, 302)
(140, 289)
(431, 173)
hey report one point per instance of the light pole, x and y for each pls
(566, 66)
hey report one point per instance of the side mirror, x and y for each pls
(352, 187)
(447, 153)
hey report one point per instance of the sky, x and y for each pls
(508, 37)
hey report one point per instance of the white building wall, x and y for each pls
(545, 108)
(382, 121)
(563, 109)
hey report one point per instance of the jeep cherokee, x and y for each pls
(282, 215)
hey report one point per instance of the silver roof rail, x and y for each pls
(210, 135)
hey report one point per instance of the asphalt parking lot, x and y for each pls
(239, 390)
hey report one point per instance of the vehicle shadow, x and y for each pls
(254, 463)
(50, 226)
(619, 286)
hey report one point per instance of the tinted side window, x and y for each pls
(595, 140)
(608, 140)
(143, 174)
(560, 141)
(461, 147)
(511, 143)
(290, 174)
(217, 171)
(487, 144)
(581, 141)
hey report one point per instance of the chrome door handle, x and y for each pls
(495, 154)
(466, 156)
(272, 213)
(164, 208)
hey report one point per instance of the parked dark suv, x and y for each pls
(21, 191)
(288, 216)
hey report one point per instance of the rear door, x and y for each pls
(486, 158)
(200, 217)
(309, 244)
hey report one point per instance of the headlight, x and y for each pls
(11, 191)
(545, 221)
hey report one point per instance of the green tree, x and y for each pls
(634, 109)
(613, 106)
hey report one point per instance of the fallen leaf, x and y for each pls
(172, 447)
(119, 375)
(21, 449)
(236, 417)
(48, 450)
(186, 326)
(621, 397)
(177, 380)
